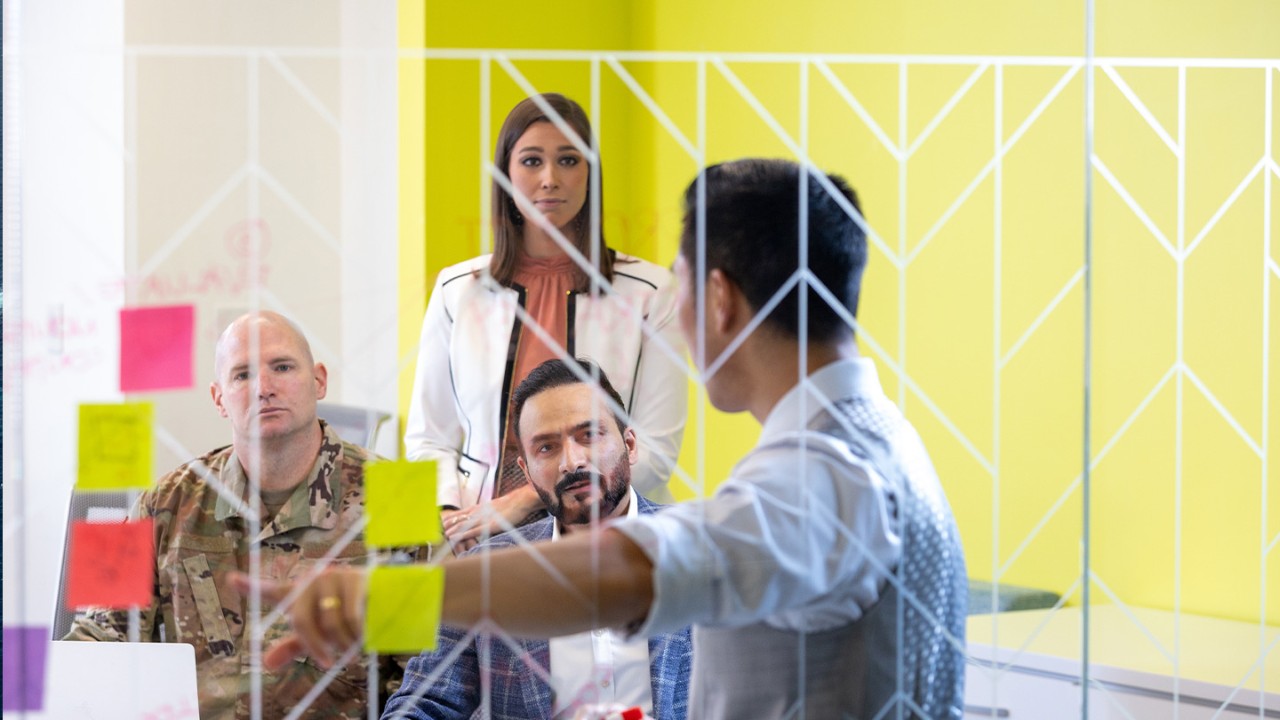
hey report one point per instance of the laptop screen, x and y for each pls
(115, 681)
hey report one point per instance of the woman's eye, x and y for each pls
(531, 162)
(569, 161)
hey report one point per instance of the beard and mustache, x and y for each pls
(613, 487)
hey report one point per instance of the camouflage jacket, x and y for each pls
(200, 535)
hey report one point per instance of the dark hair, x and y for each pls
(557, 373)
(505, 217)
(752, 236)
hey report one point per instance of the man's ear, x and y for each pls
(215, 392)
(633, 446)
(322, 380)
(722, 301)
(524, 468)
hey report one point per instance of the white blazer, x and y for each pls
(466, 357)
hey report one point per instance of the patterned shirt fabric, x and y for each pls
(797, 571)
(200, 535)
(483, 676)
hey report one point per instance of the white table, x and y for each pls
(1143, 664)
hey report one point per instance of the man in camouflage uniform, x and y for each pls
(288, 488)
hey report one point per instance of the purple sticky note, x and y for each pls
(25, 649)
(156, 348)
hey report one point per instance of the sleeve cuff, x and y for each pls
(681, 583)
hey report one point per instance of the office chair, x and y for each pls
(94, 507)
(354, 424)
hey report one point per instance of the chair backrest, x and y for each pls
(95, 507)
(354, 424)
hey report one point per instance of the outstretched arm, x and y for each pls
(596, 580)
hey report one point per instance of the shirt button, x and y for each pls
(598, 632)
(604, 683)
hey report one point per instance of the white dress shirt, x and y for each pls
(600, 666)
(798, 537)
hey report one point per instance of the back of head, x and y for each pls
(753, 235)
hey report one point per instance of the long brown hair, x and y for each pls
(505, 217)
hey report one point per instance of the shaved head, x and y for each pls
(257, 321)
(266, 380)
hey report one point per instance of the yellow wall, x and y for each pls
(984, 320)
(441, 134)
(411, 281)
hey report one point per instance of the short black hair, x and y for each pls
(752, 236)
(557, 373)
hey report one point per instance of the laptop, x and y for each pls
(115, 681)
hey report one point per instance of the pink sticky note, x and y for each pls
(111, 564)
(156, 348)
(25, 650)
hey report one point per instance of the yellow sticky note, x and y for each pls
(402, 614)
(115, 447)
(400, 501)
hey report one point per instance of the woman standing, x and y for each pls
(476, 345)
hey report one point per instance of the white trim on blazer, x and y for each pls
(461, 384)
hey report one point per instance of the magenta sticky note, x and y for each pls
(156, 348)
(25, 650)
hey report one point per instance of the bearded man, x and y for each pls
(576, 451)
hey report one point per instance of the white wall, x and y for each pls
(266, 179)
(71, 245)
(153, 134)
(370, 247)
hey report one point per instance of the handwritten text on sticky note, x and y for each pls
(115, 447)
(400, 500)
(111, 564)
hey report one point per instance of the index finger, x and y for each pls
(271, 590)
(282, 652)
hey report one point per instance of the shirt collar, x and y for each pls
(314, 503)
(834, 381)
(633, 509)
